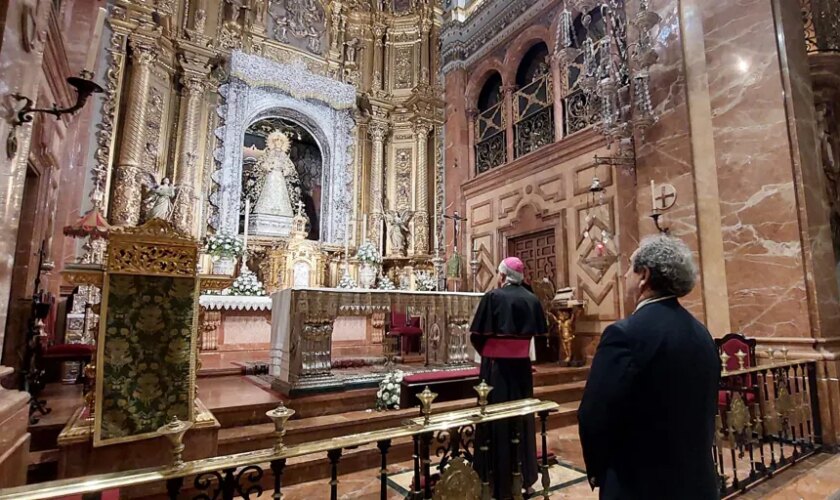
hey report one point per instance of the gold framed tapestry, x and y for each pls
(148, 332)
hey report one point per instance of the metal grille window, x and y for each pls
(534, 116)
(491, 143)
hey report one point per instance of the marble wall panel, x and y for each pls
(665, 155)
(762, 245)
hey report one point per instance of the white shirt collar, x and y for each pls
(652, 300)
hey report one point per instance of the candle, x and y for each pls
(653, 195)
(93, 51)
(437, 225)
(247, 218)
(364, 228)
(347, 237)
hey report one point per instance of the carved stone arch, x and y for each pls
(479, 77)
(520, 45)
(259, 87)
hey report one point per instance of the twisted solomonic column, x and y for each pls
(125, 206)
(187, 175)
(378, 132)
(421, 193)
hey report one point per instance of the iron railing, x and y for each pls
(768, 419)
(247, 475)
(490, 139)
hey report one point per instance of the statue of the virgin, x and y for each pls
(274, 197)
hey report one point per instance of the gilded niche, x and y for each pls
(299, 23)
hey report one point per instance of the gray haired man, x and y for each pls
(648, 410)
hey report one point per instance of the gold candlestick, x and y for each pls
(426, 397)
(724, 359)
(174, 431)
(483, 391)
(279, 416)
(740, 355)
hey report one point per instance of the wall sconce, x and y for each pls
(84, 88)
(661, 202)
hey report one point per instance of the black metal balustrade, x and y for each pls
(768, 419)
(245, 475)
(490, 139)
(821, 19)
(534, 107)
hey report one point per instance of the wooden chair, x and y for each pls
(731, 344)
(406, 330)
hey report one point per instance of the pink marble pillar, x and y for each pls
(456, 148)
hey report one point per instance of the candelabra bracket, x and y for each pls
(26, 112)
(656, 215)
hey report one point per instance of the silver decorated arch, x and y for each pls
(258, 88)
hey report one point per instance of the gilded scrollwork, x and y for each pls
(404, 67)
(155, 248)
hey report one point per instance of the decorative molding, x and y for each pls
(293, 79)
(463, 43)
(247, 100)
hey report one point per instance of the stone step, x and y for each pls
(253, 437)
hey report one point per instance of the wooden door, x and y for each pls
(539, 254)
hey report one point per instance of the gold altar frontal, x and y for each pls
(303, 333)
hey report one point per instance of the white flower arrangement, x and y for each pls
(246, 283)
(368, 254)
(385, 283)
(347, 282)
(224, 245)
(425, 281)
(388, 396)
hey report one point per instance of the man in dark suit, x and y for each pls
(647, 416)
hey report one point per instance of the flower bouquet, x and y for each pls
(425, 281)
(224, 245)
(246, 283)
(347, 282)
(385, 283)
(368, 254)
(388, 396)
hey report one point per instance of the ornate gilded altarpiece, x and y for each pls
(146, 347)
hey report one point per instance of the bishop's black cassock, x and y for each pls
(501, 332)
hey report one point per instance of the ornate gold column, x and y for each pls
(421, 193)
(125, 207)
(378, 130)
(425, 60)
(508, 91)
(187, 178)
(377, 85)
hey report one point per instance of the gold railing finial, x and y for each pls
(280, 416)
(483, 390)
(174, 431)
(740, 355)
(724, 359)
(426, 397)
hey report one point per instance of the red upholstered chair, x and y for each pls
(730, 344)
(406, 329)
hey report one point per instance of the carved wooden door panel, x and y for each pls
(539, 254)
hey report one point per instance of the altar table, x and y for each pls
(304, 330)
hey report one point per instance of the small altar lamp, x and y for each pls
(92, 225)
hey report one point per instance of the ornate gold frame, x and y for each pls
(153, 249)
